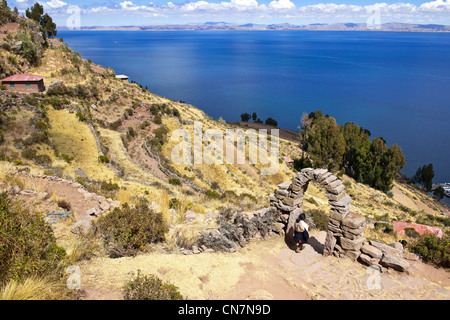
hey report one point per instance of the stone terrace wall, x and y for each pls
(345, 235)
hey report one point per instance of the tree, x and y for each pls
(271, 122)
(245, 117)
(424, 176)
(439, 192)
(48, 26)
(348, 147)
(35, 12)
(254, 116)
(357, 145)
(324, 141)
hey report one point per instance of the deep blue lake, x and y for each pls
(395, 84)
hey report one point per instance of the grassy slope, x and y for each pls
(247, 188)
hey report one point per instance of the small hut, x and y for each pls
(24, 83)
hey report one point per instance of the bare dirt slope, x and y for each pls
(266, 270)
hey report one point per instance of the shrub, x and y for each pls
(271, 122)
(29, 153)
(411, 232)
(81, 116)
(211, 194)
(103, 159)
(150, 287)
(245, 117)
(320, 218)
(27, 244)
(432, 249)
(64, 204)
(126, 230)
(109, 186)
(67, 158)
(176, 113)
(131, 133)
(43, 159)
(175, 181)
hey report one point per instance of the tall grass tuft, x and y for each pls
(35, 288)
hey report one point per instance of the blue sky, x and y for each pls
(142, 12)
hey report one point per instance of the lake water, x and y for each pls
(395, 84)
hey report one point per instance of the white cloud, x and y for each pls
(438, 6)
(249, 9)
(56, 4)
(282, 4)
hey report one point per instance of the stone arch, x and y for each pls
(345, 229)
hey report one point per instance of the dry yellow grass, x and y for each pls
(204, 276)
(35, 288)
(74, 138)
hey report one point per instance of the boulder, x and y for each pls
(92, 212)
(372, 251)
(285, 185)
(336, 197)
(410, 256)
(330, 243)
(394, 262)
(323, 176)
(319, 172)
(329, 179)
(334, 229)
(105, 206)
(368, 260)
(396, 245)
(278, 227)
(355, 232)
(15, 190)
(281, 194)
(195, 249)
(342, 203)
(88, 196)
(336, 215)
(353, 254)
(292, 202)
(335, 186)
(352, 244)
(338, 189)
(386, 249)
(353, 220)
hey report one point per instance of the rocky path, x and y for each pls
(336, 278)
(84, 205)
(266, 270)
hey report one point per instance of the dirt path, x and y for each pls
(80, 200)
(266, 270)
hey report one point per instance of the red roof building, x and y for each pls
(24, 83)
(400, 227)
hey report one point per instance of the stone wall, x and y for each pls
(345, 235)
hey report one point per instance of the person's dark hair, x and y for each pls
(302, 216)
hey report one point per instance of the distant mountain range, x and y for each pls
(392, 26)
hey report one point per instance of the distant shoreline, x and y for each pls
(224, 26)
